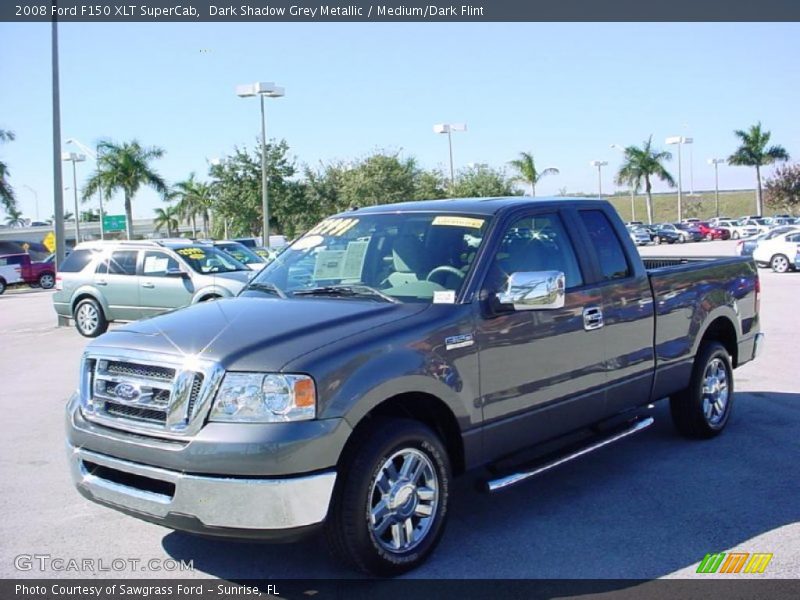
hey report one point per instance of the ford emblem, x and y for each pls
(126, 391)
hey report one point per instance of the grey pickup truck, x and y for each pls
(393, 348)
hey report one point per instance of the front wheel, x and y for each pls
(735, 235)
(779, 263)
(656, 240)
(703, 409)
(391, 499)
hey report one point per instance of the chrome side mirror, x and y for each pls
(538, 290)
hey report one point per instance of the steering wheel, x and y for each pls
(444, 269)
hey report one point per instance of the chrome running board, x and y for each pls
(494, 485)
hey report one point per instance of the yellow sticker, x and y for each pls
(459, 222)
(334, 227)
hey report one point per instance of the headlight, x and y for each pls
(264, 398)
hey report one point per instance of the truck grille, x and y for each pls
(131, 394)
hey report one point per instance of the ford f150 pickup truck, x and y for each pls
(392, 348)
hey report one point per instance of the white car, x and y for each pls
(738, 229)
(779, 252)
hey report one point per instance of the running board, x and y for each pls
(500, 483)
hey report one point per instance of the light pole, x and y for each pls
(449, 128)
(680, 141)
(633, 202)
(716, 162)
(93, 154)
(270, 90)
(75, 158)
(599, 164)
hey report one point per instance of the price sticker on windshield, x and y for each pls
(459, 221)
(192, 253)
(334, 227)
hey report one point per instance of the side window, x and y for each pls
(538, 243)
(156, 264)
(793, 238)
(121, 262)
(76, 261)
(607, 246)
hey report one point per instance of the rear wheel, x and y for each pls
(780, 264)
(390, 503)
(89, 318)
(2, 286)
(703, 409)
(47, 281)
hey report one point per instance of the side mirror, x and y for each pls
(538, 290)
(177, 273)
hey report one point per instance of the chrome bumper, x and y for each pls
(216, 502)
(758, 345)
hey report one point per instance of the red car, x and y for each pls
(42, 274)
(713, 233)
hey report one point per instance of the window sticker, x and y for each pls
(328, 264)
(354, 260)
(155, 264)
(192, 253)
(334, 227)
(309, 241)
(458, 221)
(444, 297)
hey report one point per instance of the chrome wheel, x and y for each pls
(403, 500)
(87, 317)
(46, 281)
(779, 263)
(715, 392)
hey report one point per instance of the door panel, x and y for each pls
(158, 292)
(115, 279)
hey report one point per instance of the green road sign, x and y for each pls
(114, 222)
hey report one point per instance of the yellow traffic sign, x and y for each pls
(49, 241)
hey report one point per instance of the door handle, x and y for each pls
(101, 282)
(592, 318)
(147, 284)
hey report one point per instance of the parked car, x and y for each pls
(349, 401)
(711, 232)
(659, 235)
(737, 229)
(101, 282)
(639, 235)
(778, 252)
(745, 247)
(686, 231)
(34, 273)
(761, 225)
(275, 241)
(240, 252)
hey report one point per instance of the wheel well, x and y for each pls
(722, 331)
(208, 297)
(427, 409)
(84, 297)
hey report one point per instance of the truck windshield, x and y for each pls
(407, 257)
(207, 259)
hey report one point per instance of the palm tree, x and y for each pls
(14, 218)
(7, 198)
(125, 167)
(642, 164)
(194, 200)
(527, 170)
(753, 152)
(166, 217)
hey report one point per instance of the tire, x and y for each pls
(735, 235)
(89, 318)
(2, 286)
(657, 240)
(703, 409)
(47, 281)
(366, 483)
(780, 264)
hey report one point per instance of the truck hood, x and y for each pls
(256, 334)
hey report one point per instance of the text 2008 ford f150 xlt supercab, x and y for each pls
(393, 347)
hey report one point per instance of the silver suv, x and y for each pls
(102, 282)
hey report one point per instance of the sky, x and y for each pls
(565, 92)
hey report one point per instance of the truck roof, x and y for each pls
(481, 206)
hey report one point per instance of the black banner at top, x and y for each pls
(310, 11)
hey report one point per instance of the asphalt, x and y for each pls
(648, 507)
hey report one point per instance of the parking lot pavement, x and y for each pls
(650, 506)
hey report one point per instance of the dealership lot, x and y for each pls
(651, 506)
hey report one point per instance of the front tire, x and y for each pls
(656, 240)
(735, 235)
(89, 318)
(391, 500)
(703, 409)
(780, 264)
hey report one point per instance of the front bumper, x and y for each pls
(213, 505)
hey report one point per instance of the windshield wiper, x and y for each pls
(348, 291)
(266, 287)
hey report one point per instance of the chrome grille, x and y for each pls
(144, 371)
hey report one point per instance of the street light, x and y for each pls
(633, 203)
(269, 90)
(599, 164)
(75, 158)
(680, 141)
(716, 162)
(449, 128)
(93, 154)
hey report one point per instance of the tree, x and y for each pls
(783, 188)
(430, 185)
(90, 216)
(126, 167)
(641, 165)
(526, 167)
(7, 198)
(753, 152)
(167, 218)
(380, 178)
(195, 199)
(482, 182)
(14, 218)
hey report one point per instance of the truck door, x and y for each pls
(542, 371)
(627, 312)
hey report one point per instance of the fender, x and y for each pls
(211, 290)
(87, 290)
